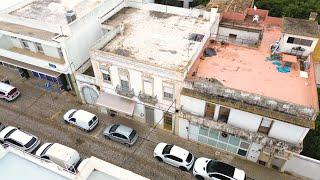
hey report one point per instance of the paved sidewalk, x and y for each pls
(40, 112)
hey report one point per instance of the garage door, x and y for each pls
(90, 95)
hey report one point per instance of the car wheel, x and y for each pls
(107, 137)
(159, 158)
(66, 122)
(199, 177)
(183, 168)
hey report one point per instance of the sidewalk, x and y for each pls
(49, 108)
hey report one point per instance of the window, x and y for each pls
(219, 176)
(11, 141)
(304, 42)
(223, 114)
(232, 37)
(60, 52)
(168, 90)
(39, 47)
(119, 136)
(196, 37)
(25, 44)
(148, 86)
(209, 113)
(124, 81)
(173, 158)
(265, 125)
(106, 76)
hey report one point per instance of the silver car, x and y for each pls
(121, 133)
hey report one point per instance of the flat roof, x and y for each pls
(53, 11)
(247, 69)
(300, 27)
(98, 175)
(26, 31)
(11, 164)
(161, 39)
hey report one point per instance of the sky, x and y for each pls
(6, 3)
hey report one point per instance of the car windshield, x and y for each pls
(46, 149)
(212, 166)
(31, 142)
(9, 133)
(12, 91)
(70, 116)
(114, 128)
(189, 158)
(220, 167)
(167, 149)
(132, 135)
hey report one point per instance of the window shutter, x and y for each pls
(148, 87)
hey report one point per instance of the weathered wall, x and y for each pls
(288, 132)
(303, 166)
(244, 120)
(286, 47)
(241, 34)
(192, 105)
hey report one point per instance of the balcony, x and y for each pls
(147, 98)
(124, 92)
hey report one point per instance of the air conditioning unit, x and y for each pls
(70, 16)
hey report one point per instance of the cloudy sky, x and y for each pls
(6, 3)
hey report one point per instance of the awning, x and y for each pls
(29, 67)
(116, 103)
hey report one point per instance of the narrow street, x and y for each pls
(40, 113)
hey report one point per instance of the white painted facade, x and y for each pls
(241, 35)
(247, 121)
(287, 47)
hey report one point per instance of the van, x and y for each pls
(8, 92)
(82, 119)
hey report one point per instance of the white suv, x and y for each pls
(62, 155)
(82, 119)
(205, 168)
(18, 138)
(8, 92)
(174, 156)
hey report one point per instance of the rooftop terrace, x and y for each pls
(230, 5)
(247, 69)
(300, 27)
(53, 11)
(157, 38)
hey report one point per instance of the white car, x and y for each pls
(8, 92)
(205, 168)
(82, 119)
(174, 155)
(62, 155)
(18, 138)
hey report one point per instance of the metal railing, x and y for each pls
(124, 92)
(148, 98)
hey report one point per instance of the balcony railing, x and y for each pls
(147, 98)
(124, 92)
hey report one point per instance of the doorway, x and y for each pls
(167, 125)
(149, 115)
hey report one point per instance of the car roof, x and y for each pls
(83, 115)
(223, 168)
(6, 87)
(124, 130)
(179, 152)
(20, 136)
(5, 131)
(61, 152)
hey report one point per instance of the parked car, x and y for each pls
(121, 133)
(205, 168)
(174, 155)
(82, 119)
(8, 92)
(18, 138)
(60, 154)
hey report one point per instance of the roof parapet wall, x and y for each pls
(212, 91)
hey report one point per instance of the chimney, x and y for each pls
(313, 16)
(70, 16)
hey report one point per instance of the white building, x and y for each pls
(140, 63)
(237, 99)
(49, 40)
(16, 165)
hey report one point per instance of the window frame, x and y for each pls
(25, 44)
(169, 86)
(39, 47)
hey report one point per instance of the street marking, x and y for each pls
(55, 115)
(97, 134)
